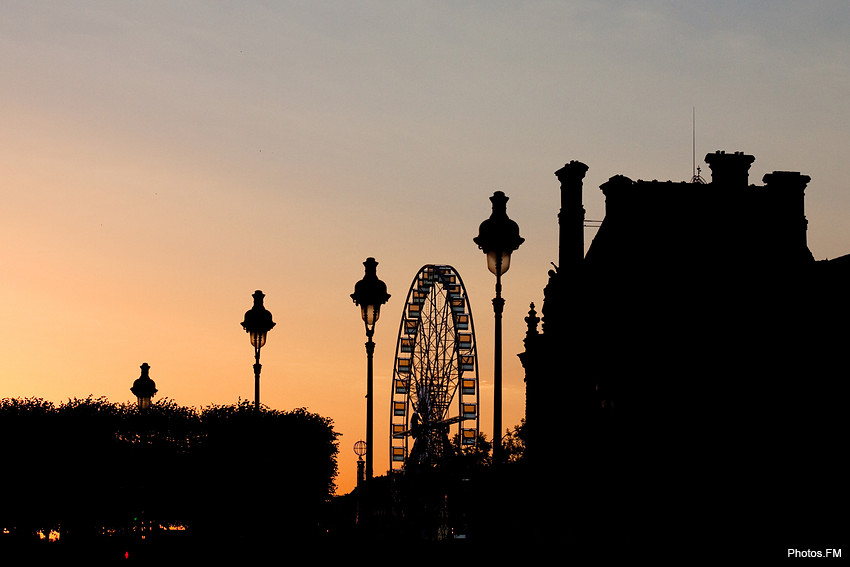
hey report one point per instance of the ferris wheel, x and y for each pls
(435, 378)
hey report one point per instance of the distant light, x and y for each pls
(144, 388)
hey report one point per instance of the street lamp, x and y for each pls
(498, 237)
(370, 293)
(258, 322)
(144, 388)
(359, 450)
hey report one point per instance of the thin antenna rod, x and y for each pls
(694, 140)
(697, 174)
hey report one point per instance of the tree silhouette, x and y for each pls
(90, 468)
(513, 443)
(272, 470)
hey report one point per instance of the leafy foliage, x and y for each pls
(89, 465)
(476, 455)
(514, 443)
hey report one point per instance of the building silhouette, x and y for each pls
(685, 376)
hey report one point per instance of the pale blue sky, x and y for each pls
(162, 160)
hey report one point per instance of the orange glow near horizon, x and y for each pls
(160, 165)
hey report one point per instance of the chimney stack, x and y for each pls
(571, 216)
(730, 170)
(787, 190)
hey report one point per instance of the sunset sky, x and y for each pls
(160, 161)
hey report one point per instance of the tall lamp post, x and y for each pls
(369, 294)
(498, 237)
(144, 388)
(359, 450)
(258, 322)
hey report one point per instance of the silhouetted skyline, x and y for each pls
(159, 164)
(676, 375)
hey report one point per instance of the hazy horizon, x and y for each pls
(161, 162)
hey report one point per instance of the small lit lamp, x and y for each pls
(258, 322)
(498, 237)
(144, 388)
(360, 450)
(370, 293)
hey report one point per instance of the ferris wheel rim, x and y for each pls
(464, 355)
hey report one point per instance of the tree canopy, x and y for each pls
(88, 467)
